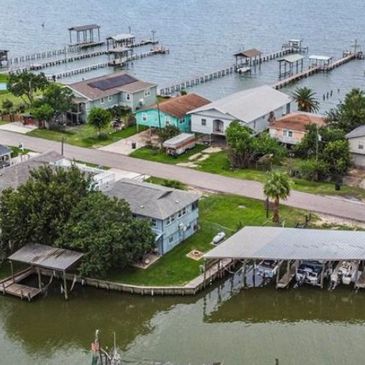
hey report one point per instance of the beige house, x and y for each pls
(291, 128)
(356, 140)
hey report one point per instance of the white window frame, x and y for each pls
(203, 122)
(102, 100)
(128, 97)
(110, 98)
(147, 92)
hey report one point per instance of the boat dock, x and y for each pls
(285, 280)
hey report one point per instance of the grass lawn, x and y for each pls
(85, 135)
(166, 182)
(218, 212)
(155, 154)
(218, 163)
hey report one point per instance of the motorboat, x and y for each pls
(347, 272)
(309, 272)
(267, 268)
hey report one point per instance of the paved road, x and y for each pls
(328, 205)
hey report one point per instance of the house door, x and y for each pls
(218, 126)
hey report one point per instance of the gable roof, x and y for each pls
(298, 121)
(179, 106)
(357, 132)
(248, 105)
(249, 53)
(103, 86)
(16, 175)
(151, 200)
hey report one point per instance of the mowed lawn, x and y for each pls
(218, 163)
(218, 212)
(157, 155)
(85, 135)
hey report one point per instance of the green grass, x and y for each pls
(157, 155)
(218, 163)
(85, 135)
(166, 182)
(3, 77)
(218, 212)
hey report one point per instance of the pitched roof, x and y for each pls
(4, 150)
(298, 121)
(248, 105)
(357, 132)
(151, 200)
(179, 106)
(16, 175)
(80, 28)
(249, 53)
(103, 86)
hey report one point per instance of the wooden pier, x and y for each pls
(12, 286)
(289, 275)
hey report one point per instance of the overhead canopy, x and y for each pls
(122, 37)
(291, 58)
(46, 256)
(319, 58)
(81, 28)
(249, 53)
(291, 244)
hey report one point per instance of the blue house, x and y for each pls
(173, 111)
(173, 213)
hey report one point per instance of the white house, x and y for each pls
(254, 107)
(356, 140)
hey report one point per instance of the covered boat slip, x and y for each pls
(38, 257)
(291, 246)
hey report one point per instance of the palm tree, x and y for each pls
(306, 100)
(277, 186)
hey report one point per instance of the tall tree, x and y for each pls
(276, 187)
(43, 113)
(350, 113)
(105, 230)
(37, 211)
(336, 155)
(25, 84)
(99, 118)
(306, 100)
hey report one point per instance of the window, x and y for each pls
(102, 101)
(181, 213)
(181, 121)
(361, 146)
(171, 238)
(194, 205)
(147, 92)
(154, 222)
(128, 96)
(110, 98)
(144, 116)
(204, 122)
(288, 133)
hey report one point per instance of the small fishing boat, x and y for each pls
(267, 268)
(347, 272)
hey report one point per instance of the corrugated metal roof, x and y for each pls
(4, 150)
(248, 105)
(122, 37)
(150, 200)
(249, 53)
(319, 58)
(46, 256)
(291, 58)
(80, 28)
(292, 244)
(181, 138)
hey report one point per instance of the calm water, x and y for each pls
(253, 326)
(201, 34)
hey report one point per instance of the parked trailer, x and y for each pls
(179, 144)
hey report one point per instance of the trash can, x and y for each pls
(134, 145)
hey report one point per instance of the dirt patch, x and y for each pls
(339, 223)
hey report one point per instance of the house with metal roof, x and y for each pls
(254, 108)
(356, 140)
(173, 213)
(173, 111)
(117, 89)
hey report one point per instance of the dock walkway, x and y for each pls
(12, 286)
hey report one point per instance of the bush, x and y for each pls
(313, 170)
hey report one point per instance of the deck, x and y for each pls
(12, 286)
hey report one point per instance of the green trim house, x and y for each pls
(173, 111)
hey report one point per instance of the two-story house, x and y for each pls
(173, 213)
(253, 108)
(356, 140)
(172, 111)
(117, 89)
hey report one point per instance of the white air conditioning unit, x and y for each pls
(141, 102)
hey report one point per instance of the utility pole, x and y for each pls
(62, 145)
(159, 121)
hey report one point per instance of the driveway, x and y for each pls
(17, 127)
(124, 146)
(334, 206)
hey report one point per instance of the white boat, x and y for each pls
(218, 238)
(267, 268)
(347, 272)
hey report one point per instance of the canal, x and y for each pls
(253, 326)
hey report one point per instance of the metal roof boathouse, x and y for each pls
(292, 245)
(38, 257)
